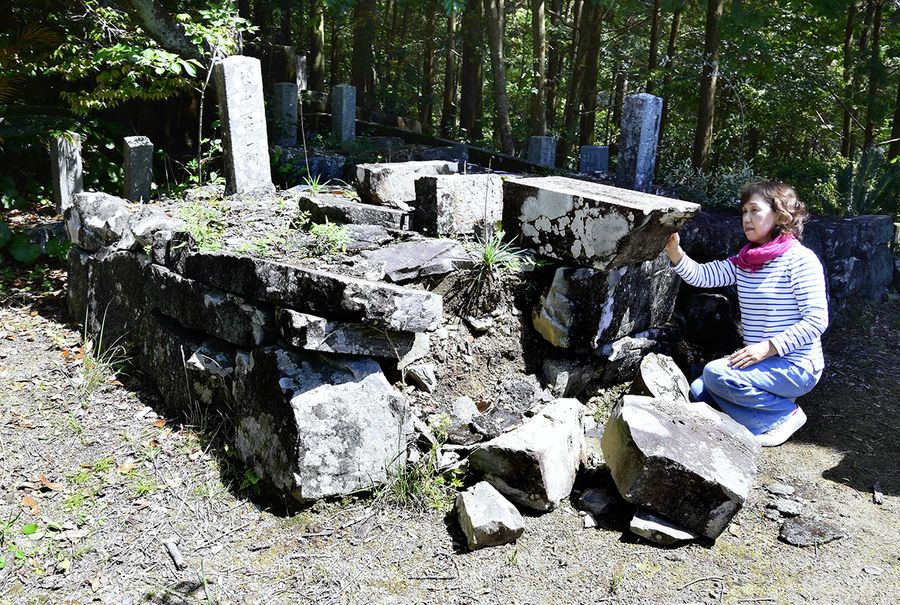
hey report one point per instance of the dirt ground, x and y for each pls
(94, 484)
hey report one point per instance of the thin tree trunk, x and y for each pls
(362, 65)
(620, 85)
(862, 49)
(846, 123)
(706, 112)
(426, 96)
(448, 111)
(579, 66)
(493, 13)
(284, 29)
(874, 76)
(554, 62)
(589, 86)
(471, 102)
(538, 68)
(652, 55)
(161, 26)
(894, 147)
(335, 62)
(316, 65)
(671, 61)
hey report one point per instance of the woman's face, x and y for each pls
(758, 220)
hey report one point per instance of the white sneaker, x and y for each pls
(783, 431)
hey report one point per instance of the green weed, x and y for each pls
(206, 223)
(329, 238)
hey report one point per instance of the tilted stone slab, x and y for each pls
(458, 204)
(197, 306)
(535, 465)
(393, 184)
(318, 426)
(659, 376)
(684, 461)
(590, 224)
(319, 292)
(585, 308)
(314, 333)
(486, 517)
(407, 261)
(338, 209)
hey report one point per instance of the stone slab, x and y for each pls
(638, 139)
(343, 112)
(589, 224)
(115, 298)
(422, 258)
(659, 376)
(138, 179)
(459, 204)
(542, 151)
(487, 518)
(339, 209)
(593, 158)
(394, 184)
(659, 530)
(98, 220)
(284, 113)
(66, 170)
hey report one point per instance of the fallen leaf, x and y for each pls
(159, 423)
(46, 484)
(29, 501)
(126, 467)
(95, 584)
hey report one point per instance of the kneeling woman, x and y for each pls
(784, 311)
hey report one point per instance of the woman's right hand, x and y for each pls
(673, 248)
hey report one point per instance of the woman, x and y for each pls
(784, 311)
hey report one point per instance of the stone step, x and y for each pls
(393, 184)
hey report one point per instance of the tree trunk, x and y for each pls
(284, 29)
(589, 85)
(471, 102)
(671, 61)
(579, 66)
(704, 133)
(862, 49)
(875, 69)
(161, 26)
(362, 74)
(448, 110)
(846, 123)
(538, 68)
(316, 65)
(894, 147)
(652, 59)
(426, 96)
(335, 62)
(493, 13)
(554, 62)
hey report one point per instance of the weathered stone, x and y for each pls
(487, 518)
(138, 154)
(638, 139)
(314, 333)
(659, 530)
(687, 462)
(521, 393)
(65, 169)
(709, 320)
(199, 307)
(590, 224)
(339, 209)
(463, 408)
(98, 220)
(343, 112)
(567, 377)
(422, 376)
(622, 358)
(495, 422)
(393, 184)
(599, 501)
(115, 298)
(659, 376)
(284, 114)
(480, 325)
(318, 292)
(242, 112)
(809, 531)
(77, 282)
(780, 489)
(585, 308)
(415, 259)
(787, 507)
(458, 204)
(592, 457)
(593, 158)
(535, 464)
(147, 221)
(542, 151)
(318, 426)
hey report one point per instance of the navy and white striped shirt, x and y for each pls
(784, 302)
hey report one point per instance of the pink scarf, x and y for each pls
(752, 257)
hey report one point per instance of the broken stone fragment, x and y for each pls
(567, 377)
(809, 531)
(659, 376)
(659, 530)
(407, 261)
(599, 501)
(684, 461)
(422, 376)
(535, 464)
(458, 204)
(339, 209)
(98, 220)
(589, 224)
(147, 221)
(463, 408)
(393, 184)
(495, 422)
(318, 426)
(487, 518)
(787, 507)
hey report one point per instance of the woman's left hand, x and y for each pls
(751, 354)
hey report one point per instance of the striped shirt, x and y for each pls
(784, 302)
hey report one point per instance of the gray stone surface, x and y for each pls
(458, 204)
(638, 138)
(542, 151)
(535, 464)
(98, 220)
(567, 377)
(599, 501)
(622, 357)
(421, 375)
(809, 531)
(243, 116)
(66, 172)
(463, 408)
(687, 462)
(786, 506)
(302, 72)
(367, 237)
(394, 184)
(416, 259)
(147, 221)
(592, 455)
(314, 333)
(138, 179)
(339, 209)
(318, 426)
(589, 224)
(780, 489)
(593, 158)
(486, 517)
(659, 376)
(586, 308)
(78, 263)
(319, 292)
(284, 114)
(115, 298)
(343, 112)
(659, 530)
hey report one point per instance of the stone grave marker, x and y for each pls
(593, 158)
(284, 114)
(638, 139)
(65, 168)
(542, 151)
(138, 153)
(343, 112)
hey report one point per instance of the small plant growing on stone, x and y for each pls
(206, 223)
(315, 185)
(329, 238)
(495, 260)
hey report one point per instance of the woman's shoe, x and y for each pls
(783, 431)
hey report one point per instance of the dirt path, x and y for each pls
(93, 485)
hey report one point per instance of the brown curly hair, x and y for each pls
(790, 212)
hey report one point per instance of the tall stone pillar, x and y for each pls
(65, 169)
(138, 154)
(638, 140)
(343, 112)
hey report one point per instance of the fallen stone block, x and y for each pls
(684, 461)
(567, 377)
(535, 464)
(590, 224)
(98, 220)
(487, 518)
(318, 292)
(458, 204)
(366, 237)
(147, 221)
(463, 409)
(659, 530)
(393, 184)
(339, 209)
(422, 376)
(318, 426)
(407, 261)
(659, 376)
(314, 333)
(585, 308)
